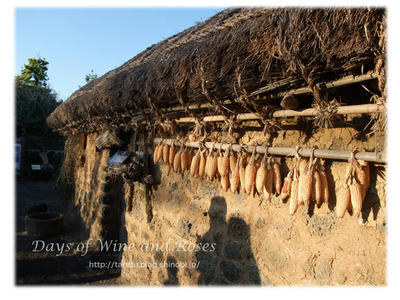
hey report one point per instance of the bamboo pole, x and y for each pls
(332, 84)
(280, 83)
(379, 157)
(342, 110)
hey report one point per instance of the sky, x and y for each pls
(76, 40)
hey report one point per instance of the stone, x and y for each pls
(186, 228)
(322, 269)
(260, 223)
(232, 250)
(322, 224)
(174, 204)
(275, 260)
(208, 189)
(174, 187)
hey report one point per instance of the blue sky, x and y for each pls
(75, 41)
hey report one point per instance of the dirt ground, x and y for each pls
(50, 267)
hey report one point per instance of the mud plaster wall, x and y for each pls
(88, 185)
(257, 244)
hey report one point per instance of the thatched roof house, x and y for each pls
(230, 56)
(281, 70)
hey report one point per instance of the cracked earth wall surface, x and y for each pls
(258, 244)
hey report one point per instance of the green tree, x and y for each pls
(34, 73)
(35, 101)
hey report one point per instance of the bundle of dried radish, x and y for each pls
(343, 193)
(232, 159)
(177, 159)
(324, 183)
(294, 187)
(194, 166)
(261, 175)
(211, 164)
(356, 196)
(250, 173)
(165, 153)
(185, 156)
(234, 177)
(277, 175)
(156, 154)
(269, 184)
(306, 181)
(202, 163)
(293, 202)
(223, 162)
(242, 171)
(225, 183)
(362, 174)
(352, 193)
(316, 186)
(287, 183)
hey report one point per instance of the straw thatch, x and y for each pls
(229, 56)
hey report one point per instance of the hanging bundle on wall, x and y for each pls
(305, 183)
(352, 193)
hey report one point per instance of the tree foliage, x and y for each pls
(34, 99)
(91, 76)
(34, 73)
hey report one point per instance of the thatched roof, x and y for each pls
(234, 52)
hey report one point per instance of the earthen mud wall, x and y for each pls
(199, 234)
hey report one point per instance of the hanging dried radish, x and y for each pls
(242, 171)
(356, 197)
(232, 159)
(305, 182)
(165, 153)
(211, 164)
(317, 188)
(171, 154)
(324, 183)
(302, 166)
(277, 181)
(184, 159)
(177, 159)
(287, 184)
(194, 166)
(293, 202)
(219, 160)
(202, 163)
(225, 182)
(225, 163)
(234, 177)
(261, 175)
(156, 156)
(363, 176)
(269, 184)
(342, 200)
(250, 173)
(343, 193)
